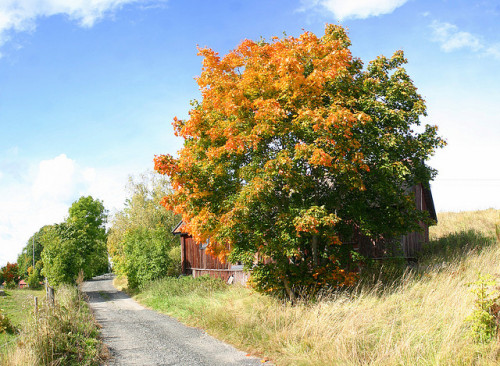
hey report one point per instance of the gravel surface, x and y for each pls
(138, 336)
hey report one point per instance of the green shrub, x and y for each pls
(174, 255)
(34, 281)
(5, 324)
(148, 256)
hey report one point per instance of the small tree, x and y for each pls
(10, 274)
(140, 243)
(292, 148)
(35, 277)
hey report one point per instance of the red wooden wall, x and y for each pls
(193, 256)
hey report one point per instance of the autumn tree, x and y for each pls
(10, 274)
(293, 147)
(140, 241)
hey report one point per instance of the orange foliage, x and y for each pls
(279, 125)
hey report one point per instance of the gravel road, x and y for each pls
(138, 336)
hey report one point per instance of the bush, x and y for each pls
(147, 254)
(34, 281)
(5, 324)
(174, 254)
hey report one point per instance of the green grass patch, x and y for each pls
(17, 305)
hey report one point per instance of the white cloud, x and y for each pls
(356, 9)
(451, 38)
(493, 50)
(55, 179)
(21, 15)
(41, 195)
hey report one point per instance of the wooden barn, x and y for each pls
(196, 262)
(406, 246)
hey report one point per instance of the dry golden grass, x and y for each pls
(481, 221)
(417, 320)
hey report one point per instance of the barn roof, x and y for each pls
(177, 230)
(429, 202)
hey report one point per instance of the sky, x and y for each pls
(89, 88)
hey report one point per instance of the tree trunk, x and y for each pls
(315, 250)
(290, 293)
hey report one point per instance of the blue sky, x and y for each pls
(88, 89)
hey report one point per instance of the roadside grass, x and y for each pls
(17, 305)
(65, 334)
(414, 318)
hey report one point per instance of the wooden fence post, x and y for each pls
(36, 308)
(49, 293)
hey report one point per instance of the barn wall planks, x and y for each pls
(196, 262)
(195, 256)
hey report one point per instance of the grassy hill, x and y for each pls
(395, 316)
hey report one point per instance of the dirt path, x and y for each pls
(138, 336)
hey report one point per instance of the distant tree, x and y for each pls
(88, 217)
(10, 274)
(78, 244)
(140, 243)
(292, 147)
(25, 259)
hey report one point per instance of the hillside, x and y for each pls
(412, 317)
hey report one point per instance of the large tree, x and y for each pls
(292, 147)
(77, 244)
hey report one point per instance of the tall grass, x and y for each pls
(64, 334)
(482, 222)
(417, 318)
